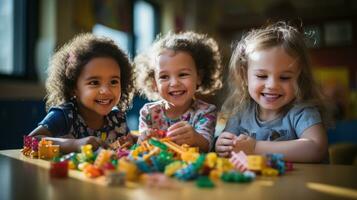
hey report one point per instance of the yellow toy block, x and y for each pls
(270, 172)
(46, 150)
(256, 162)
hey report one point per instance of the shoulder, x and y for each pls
(117, 114)
(152, 107)
(157, 105)
(202, 105)
(65, 110)
(303, 110)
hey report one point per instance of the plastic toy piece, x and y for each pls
(236, 177)
(155, 151)
(211, 159)
(114, 178)
(204, 182)
(34, 148)
(173, 146)
(46, 150)
(270, 172)
(157, 143)
(27, 140)
(92, 171)
(59, 169)
(86, 154)
(129, 169)
(171, 168)
(256, 162)
(102, 158)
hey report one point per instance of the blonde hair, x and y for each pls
(204, 51)
(292, 41)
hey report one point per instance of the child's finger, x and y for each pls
(220, 148)
(177, 125)
(225, 142)
(224, 154)
(175, 132)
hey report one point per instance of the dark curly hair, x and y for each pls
(68, 62)
(204, 51)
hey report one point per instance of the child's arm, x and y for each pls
(183, 133)
(311, 147)
(67, 145)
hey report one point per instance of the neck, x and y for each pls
(267, 115)
(174, 112)
(92, 119)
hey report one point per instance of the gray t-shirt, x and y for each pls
(289, 126)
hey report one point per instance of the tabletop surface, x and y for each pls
(24, 178)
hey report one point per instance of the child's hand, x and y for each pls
(182, 133)
(224, 144)
(146, 134)
(244, 143)
(126, 141)
(94, 141)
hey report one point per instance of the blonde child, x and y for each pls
(177, 67)
(88, 78)
(274, 102)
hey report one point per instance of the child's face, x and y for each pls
(272, 79)
(176, 78)
(98, 87)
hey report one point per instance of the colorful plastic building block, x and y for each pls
(59, 169)
(256, 162)
(46, 150)
(204, 182)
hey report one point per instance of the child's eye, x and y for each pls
(184, 74)
(114, 82)
(164, 77)
(284, 78)
(94, 82)
(261, 76)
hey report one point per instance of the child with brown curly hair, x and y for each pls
(172, 71)
(89, 87)
(275, 104)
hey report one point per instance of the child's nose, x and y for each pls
(104, 89)
(174, 81)
(271, 83)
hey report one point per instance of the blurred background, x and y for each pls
(31, 30)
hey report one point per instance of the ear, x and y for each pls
(154, 86)
(74, 92)
(199, 77)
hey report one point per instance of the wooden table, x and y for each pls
(20, 179)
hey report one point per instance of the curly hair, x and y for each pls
(68, 62)
(204, 51)
(292, 41)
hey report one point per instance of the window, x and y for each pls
(18, 32)
(119, 37)
(144, 25)
(6, 36)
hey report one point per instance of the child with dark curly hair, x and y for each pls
(89, 87)
(176, 68)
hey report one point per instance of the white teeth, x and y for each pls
(176, 93)
(102, 101)
(271, 95)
